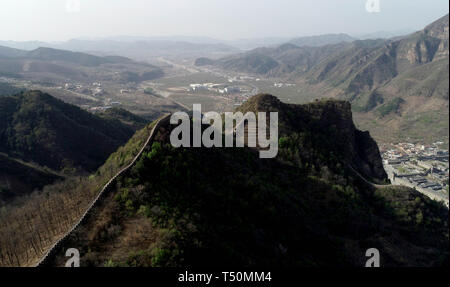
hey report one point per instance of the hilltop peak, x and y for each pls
(264, 97)
(262, 103)
(268, 103)
(322, 40)
(51, 54)
(333, 121)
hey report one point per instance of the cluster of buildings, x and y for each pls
(102, 108)
(421, 166)
(98, 90)
(95, 90)
(218, 88)
(73, 87)
(280, 85)
(232, 79)
(233, 92)
(98, 109)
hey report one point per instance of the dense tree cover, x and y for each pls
(125, 117)
(323, 134)
(219, 206)
(43, 140)
(37, 127)
(390, 107)
(228, 207)
(31, 223)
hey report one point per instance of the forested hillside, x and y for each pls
(307, 207)
(43, 139)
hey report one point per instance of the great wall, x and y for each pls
(53, 248)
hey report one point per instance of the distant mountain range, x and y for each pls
(385, 34)
(54, 65)
(400, 83)
(149, 48)
(136, 48)
(322, 40)
(50, 54)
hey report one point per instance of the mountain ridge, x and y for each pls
(306, 213)
(62, 65)
(371, 74)
(30, 115)
(322, 40)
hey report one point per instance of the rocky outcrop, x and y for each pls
(330, 123)
(367, 158)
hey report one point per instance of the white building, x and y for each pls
(198, 87)
(232, 90)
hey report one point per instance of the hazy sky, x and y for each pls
(53, 20)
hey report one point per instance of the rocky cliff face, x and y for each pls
(427, 45)
(357, 147)
(329, 124)
(367, 158)
(439, 30)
